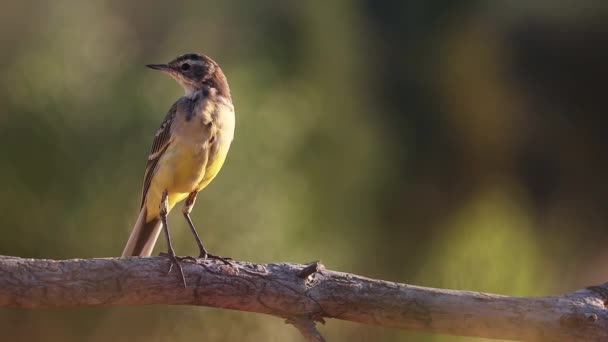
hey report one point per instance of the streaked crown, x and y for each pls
(194, 72)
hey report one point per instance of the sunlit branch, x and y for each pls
(303, 295)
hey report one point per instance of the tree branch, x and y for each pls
(303, 295)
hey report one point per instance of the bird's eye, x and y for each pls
(185, 66)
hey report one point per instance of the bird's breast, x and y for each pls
(222, 128)
(202, 144)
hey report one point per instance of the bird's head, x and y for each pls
(195, 71)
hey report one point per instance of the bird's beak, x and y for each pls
(161, 67)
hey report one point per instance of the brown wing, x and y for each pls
(159, 146)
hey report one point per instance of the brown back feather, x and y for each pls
(159, 146)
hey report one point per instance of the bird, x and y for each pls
(187, 153)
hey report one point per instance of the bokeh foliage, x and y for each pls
(454, 144)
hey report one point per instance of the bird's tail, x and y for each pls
(143, 237)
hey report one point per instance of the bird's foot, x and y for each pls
(175, 261)
(179, 258)
(204, 255)
(188, 258)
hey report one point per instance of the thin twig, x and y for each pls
(307, 328)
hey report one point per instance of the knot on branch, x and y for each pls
(577, 320)
(601, 291)
(311, 268)
(308, 273)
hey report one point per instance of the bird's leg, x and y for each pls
(187, 209)
(164, 205)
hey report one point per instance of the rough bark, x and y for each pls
(303, 295)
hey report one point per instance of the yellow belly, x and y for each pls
(213, 166)
(180, 171)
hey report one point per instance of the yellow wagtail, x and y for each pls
(188, 151)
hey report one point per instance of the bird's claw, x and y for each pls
(180, 258)
(205, 256)
(187, 257)
(175, 261)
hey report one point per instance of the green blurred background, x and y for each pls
(456, 144)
